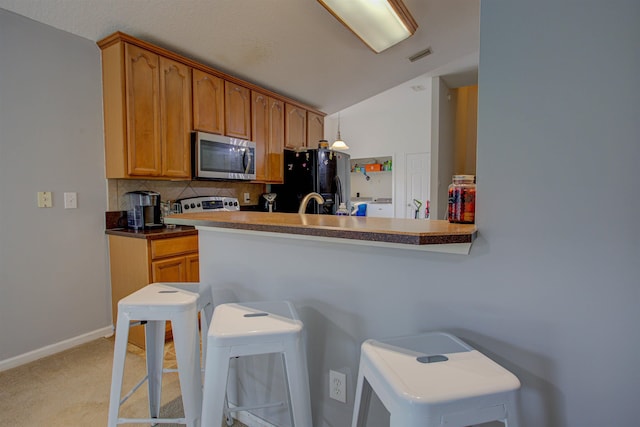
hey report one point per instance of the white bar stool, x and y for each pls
(251, 329)
(204, 306)
(153, 305)
(434, 379)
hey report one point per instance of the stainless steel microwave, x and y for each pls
(222, 157)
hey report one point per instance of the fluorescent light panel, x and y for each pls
(380, 24)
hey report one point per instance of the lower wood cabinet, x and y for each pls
(136, 262)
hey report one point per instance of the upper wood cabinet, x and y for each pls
(147, 113)
(295, 122)
(315, 129)
(175, 118)
(237, 100)
(153, 99)
(142, 81)
(267, 128)
(208, 102)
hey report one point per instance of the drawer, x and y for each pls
(161, 248)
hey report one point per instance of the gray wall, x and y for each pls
(558, 153)
(551, 287)
(53, 267)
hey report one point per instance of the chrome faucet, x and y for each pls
(305, 201)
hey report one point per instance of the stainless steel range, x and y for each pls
(209, 204)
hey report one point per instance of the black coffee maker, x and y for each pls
(144, 210)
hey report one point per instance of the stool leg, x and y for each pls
(361, 405)
(188, 358)
(154, 331)
(117, 373)
(215, 385)
(513, 417)
(205, 319)
(297, 377)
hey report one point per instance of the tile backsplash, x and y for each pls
(173, 190)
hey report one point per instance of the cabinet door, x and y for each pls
(142, 79)
(276, 141)
(237, 110)
(260, 133)
(169, 270)
(208, 102)
(295, 133)
(175, 118)
(193, 268)
(315, 129)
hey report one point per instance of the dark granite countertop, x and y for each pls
(153, 234)
(388, 230)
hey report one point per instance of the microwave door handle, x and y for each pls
(246, 160)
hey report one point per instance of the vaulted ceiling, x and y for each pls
(293, 47)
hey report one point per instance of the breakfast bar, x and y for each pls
(426, 235)
(349, 278)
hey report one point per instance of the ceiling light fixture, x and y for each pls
(380, 24)
(339, 144)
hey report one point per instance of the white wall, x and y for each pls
(392, 123)
(442, 144)
(53, 267)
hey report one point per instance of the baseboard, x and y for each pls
(55, 348)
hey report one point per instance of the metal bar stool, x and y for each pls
(153, 305)
(204, 306)
(434, 379)
(252, 329)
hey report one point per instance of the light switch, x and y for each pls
(45, 199)
(70, 200)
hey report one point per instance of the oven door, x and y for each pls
(222, 157)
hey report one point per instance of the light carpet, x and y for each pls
(71, 388)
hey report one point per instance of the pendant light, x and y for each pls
(339, 144)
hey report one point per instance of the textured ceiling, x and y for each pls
(293, 47)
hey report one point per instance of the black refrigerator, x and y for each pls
(320, 170)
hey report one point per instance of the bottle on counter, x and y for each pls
(342, 210)
(462, 199)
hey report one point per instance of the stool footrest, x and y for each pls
(133, 390)
(151, 421)
(248, 408)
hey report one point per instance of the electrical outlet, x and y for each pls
(338, 386)
(45, 199)
(247, 197)
(70, 200)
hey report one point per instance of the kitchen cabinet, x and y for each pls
(153, 98)
(267, 128)
(208, 102)
(147, 113)
(295, 134)
(237, 110)
(315, 129)
(136, 262)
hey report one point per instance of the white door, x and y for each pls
(417, 171)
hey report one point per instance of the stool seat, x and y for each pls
(434, 379)
(251, 329)
(158, 297)
(242, 323)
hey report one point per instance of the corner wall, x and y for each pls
(53, 261)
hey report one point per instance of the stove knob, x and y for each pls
(198, 204)
(235, 203)
(193, 205)
(185, 207)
